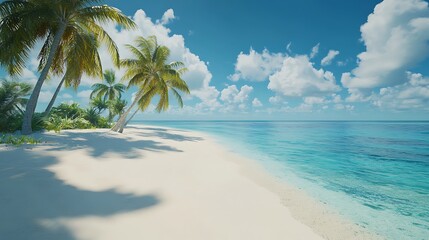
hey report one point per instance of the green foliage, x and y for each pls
(12, 100)
(71, 116)
(71, 34)
(92, 116)
(18, 140)
(54, 123)
(13, 96)
(11, 123)
(116, 107)
(100, 104)
(110, 90)
(103, 123)
(151, 73)
(65, 110)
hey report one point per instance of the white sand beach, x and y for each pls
(151, 183)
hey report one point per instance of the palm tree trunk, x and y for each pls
(119, 126)
(51, 103)
(32, 102)
(129, 119)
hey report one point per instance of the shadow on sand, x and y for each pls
(100, 143)
(165, 134)
(30, 194)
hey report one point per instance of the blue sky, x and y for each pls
(263, 60)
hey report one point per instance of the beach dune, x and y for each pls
(149, 183)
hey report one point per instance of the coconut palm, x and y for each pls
(153, 76)
(13, 97)
(59, 23)
(100, 104)
(82, 58)
(110, 90)
(116, 107)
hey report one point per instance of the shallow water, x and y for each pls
(374, 173)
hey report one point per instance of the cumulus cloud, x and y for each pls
(346, 107)
(314, 51)
(328, 59)
(414, 94)
(396, 37)
(45, 96)
(256, 103)
(234, 98)
(84, 94)
(256, 66)
(198, 76)
(167, 17)
(231, 94)
(277, 100)
(298, 77)
(288, 76)
(314, 100)
(66, 96)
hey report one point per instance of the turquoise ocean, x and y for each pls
(373, 173)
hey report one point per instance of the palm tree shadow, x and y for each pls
(101, 143)
(31, 194)
(165, 134)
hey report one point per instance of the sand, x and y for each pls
(151, 183)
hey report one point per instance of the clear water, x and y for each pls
(374, 173)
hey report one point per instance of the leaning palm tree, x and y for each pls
(116, 107)
(82, 58)
(153, 76)
(59, 23)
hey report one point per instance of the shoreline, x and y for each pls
(182, 183)
(319, 216)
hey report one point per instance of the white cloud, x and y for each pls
(234, 98)
(198, 76)
(256, 66)
(256, 103)
(336, 98)
(396, 37)
(414, 94)
(167, 17)
(231, 94)
(66, 96)
(314, 100)
(45, 96)
(298, 78)
(314, 51)
(346, 107)
(84, 94)
(276, 100)
(289, 47)
(328, 59)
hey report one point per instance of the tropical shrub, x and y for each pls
(65, 110)
(71, 116)
(18, 140)
(12, 102)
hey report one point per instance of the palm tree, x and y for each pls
(153, 76)
(108, 91)
(59, 23)
(82, 58)
(116, 107)
(100, 104)
(13, 97)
